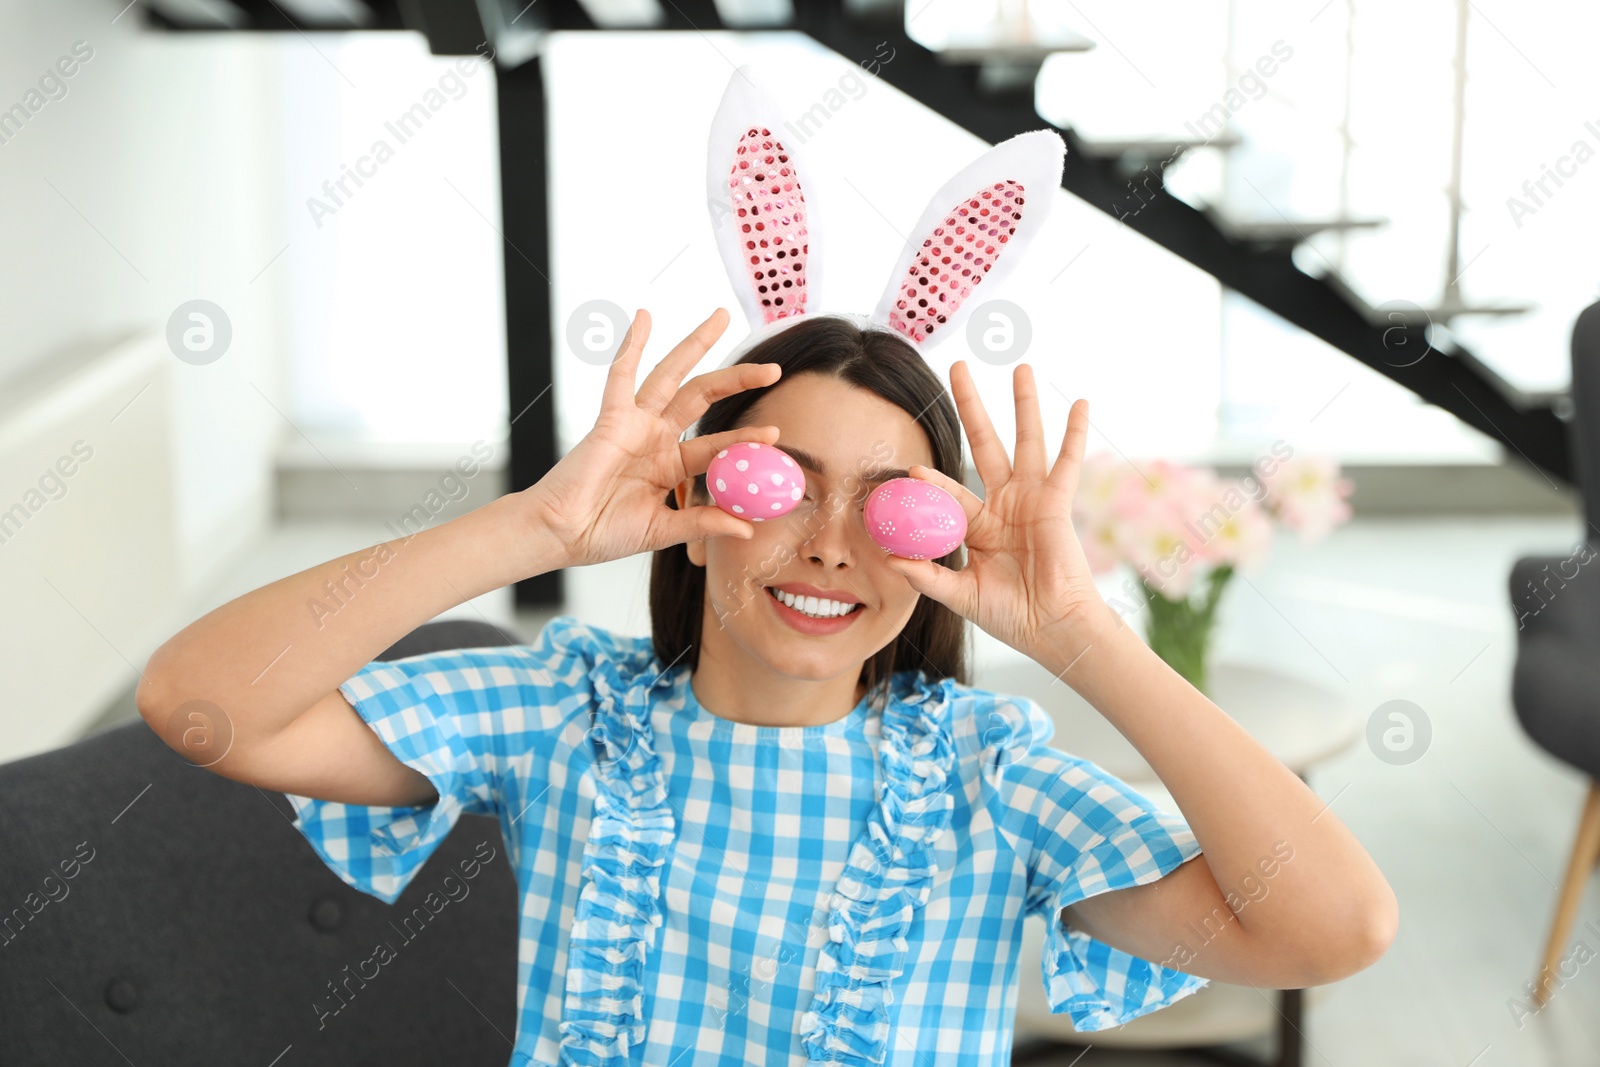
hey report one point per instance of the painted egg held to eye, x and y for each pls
(755, 481)
(914, 519)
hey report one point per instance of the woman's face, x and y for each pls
(848, 440)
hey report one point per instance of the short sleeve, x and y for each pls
(465, 719)
(1081, 831)
(1094, 833)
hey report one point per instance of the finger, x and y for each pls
(705, 521)
(953, 589)
(1029, 458)
(619, 379)
(965, 497)
(661, 384)
(698, 451)
(1069, 461)
(701, 391)
(988, 454)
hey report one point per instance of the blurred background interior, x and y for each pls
(1362, 229)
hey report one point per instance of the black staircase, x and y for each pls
(989, 94)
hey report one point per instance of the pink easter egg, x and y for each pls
(914, 519)
(755, 481)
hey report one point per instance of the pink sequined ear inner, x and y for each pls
(771, 209)
(954, 259)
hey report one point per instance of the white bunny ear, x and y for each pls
(758, 208)
(973, 230)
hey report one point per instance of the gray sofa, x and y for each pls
(156, 913)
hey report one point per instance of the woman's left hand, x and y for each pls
(1026, 580)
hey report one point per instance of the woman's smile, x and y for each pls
(811, 615)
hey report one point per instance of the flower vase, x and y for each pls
(1179, 631)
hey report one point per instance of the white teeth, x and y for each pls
(810, 605)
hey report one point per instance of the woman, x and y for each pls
(760, 836)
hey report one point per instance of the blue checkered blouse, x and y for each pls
(697, 890)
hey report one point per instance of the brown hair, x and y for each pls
(935, 638)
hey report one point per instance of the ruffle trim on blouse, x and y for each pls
(1005, 734)
(1101, 987)
(630, 836)
(888, 877)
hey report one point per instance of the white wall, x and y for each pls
(397, 311)
(180, 166)
(149, 183)
(631, 226)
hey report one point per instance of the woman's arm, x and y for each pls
(1327, 911)
(269, 664)
(1321, 915)
(259, 677)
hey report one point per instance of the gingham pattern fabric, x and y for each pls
(732, 894)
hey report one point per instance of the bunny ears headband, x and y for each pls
(974, 229)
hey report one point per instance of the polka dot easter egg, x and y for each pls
(914, 519)
(755, 481)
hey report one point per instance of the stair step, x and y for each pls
(203, 14)
(1409, 313)
(754, 14)
(995, 44)
(1154, 147)
(1008, 58)
(1008, 79)
(330, 14)
(877, 11)
(1287, 231)
(623, 14)
(1460, 309)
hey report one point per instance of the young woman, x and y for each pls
(762, 835)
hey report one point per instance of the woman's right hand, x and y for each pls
(606, 499)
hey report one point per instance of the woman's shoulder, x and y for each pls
(1004, 736)
(1006, 740)
(568, 639)
(595, 660)
(537, 687)
(1033, 789)
(999, 747)
(989, 725)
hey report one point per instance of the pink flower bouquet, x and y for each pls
(1185, 531)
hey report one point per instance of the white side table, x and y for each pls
(1300, 723)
